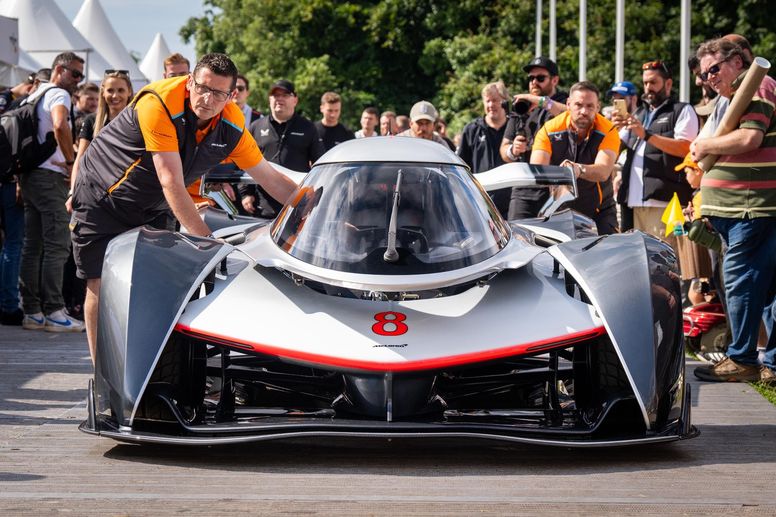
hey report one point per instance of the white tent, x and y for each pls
(11, 72)
(92, 22)
(152, 64)
(44, 32)
(28, 62)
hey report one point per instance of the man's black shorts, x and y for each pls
(89, 244)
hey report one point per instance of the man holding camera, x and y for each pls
(529, 113)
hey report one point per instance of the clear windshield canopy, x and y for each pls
(341, 217)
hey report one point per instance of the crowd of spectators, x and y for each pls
(630, 160)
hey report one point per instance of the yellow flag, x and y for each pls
(672, 215)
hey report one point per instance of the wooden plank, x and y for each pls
(47, 465)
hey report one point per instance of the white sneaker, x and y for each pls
(59, 321)
(34, 321)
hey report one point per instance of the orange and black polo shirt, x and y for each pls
(561, 143)
(117, 173)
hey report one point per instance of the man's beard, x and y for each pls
(543, 90)
(583, 124)
(655, 99)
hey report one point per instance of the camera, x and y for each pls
(520, 107)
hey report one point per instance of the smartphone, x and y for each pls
(621, 108)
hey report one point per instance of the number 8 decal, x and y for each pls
(390, 324)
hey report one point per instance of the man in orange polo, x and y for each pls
(584, 140)
(137, 168)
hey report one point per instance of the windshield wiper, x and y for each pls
(391, 255)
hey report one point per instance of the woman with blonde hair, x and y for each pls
(115, 94)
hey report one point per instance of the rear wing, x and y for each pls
(522, 174)
(560, 180)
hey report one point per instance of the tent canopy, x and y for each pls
(45, 32)
(92, 22)
(152, 64)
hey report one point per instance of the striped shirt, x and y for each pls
(744, 185)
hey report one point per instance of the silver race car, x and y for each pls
(390, 299)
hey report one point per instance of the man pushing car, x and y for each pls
(137, 168)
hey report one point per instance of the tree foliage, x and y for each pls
(391, 53)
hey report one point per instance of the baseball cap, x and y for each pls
(623, 88)
(543, 62)
(423, 110)
(283, 85)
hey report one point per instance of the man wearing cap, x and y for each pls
(422, 117)
(531, 111)
(626, 91)
(285, 138)
(656, 137)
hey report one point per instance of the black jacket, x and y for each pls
(660, 178)
(480, 145)
(294, 144)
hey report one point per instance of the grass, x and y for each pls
(769, 392)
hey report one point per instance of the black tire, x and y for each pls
(611, 375)
(180, 375)
(598, 374)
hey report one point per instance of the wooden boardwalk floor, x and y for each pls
(48, 467)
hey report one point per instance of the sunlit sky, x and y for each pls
(138, 21)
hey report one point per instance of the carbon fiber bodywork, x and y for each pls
(147, 276)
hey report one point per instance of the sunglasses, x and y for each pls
(75, 73)
(110, 71)
(713, 70)
(538, 78)
(240, 88)
(218, 95)
(656, 65)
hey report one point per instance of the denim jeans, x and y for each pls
(748, 271)
(11, 254)
(46, 240)
(769, 318)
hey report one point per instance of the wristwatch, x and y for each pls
(647, 135)
(510, 154)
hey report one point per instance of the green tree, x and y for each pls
(391, 53)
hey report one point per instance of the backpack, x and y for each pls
(20, 150)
